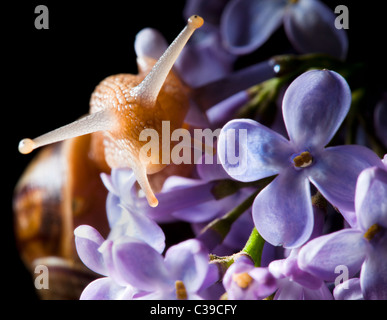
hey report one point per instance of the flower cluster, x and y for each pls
(294, 203)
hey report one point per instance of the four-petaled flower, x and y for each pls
(181, 275)
(314, 106)
(243, 281)
(358, 248)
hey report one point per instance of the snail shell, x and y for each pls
(60, 189)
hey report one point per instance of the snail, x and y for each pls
(61, 188)
(122, 106)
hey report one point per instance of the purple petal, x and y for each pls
(321, 256)
(118, 180)
(121, 184)
(310, 26)
(282, 212)
(87, 242)
(212, 277)
(196, 117)
(294, 273)
(138, 225)
(211, 172)
(204, 61)
(140, 265)
(201, 212)
(157, 295)
(107, 181)
(247, 24)
(150, 43)
(289, 290)
(277, 268)
(106, 289)
(188, 262)
(373, 276)
(321, 293)
(124, 180)
(179, 193)
(250, 151)
(348, 290)
(371, 198)
(106, 249)
(208, 210)
(225, 110)
(314, 106)
(215, 92)
(264, 283)
(113, 209)
(335, 174)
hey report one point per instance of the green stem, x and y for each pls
(254, 247)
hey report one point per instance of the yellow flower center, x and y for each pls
(303, 160)
(372, 231)
(181, 292)
(243, 280)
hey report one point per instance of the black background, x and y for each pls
(49, 75)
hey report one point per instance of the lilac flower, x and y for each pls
(296, 284)
(150, 43)
(181, 199)
(124, 214)
(181, 275)
(125, 221)
(309, 25)
(363, 247)
(284, 277)
(135, 269)
(243, 281)
(203, 59)
(314, 106)
(96, 253)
